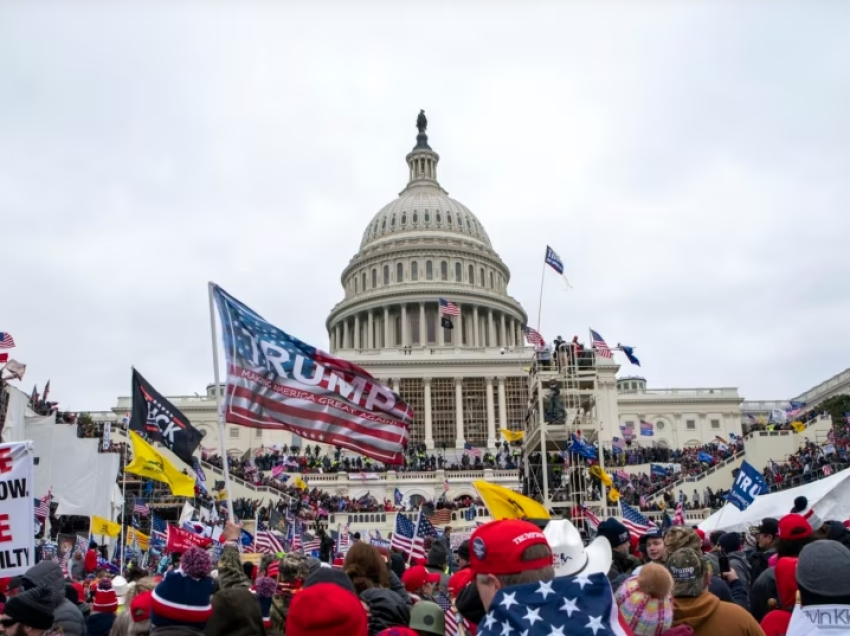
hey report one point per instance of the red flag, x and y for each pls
(4, 357)
(179, 540)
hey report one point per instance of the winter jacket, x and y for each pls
(100, 623)
(623, 566)
(759, 562)
(91, 561)
(386, 609)
(398, 587)
(469, 604)
(709, 616)
(762, 591)
(49, 575)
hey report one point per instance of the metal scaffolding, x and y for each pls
(563, 397)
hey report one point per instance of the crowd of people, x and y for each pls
(811, 462)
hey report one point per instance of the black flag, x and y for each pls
(446, 322)
(160, 421)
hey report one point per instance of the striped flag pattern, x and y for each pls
(268, 541)
(533, 337)
(600, 346)
(637, 524)
(448, 308)
(141, 508)
(6, 340)
(42, 510)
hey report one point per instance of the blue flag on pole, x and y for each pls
(748, 485)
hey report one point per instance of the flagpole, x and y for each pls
(540, 303)
(124, 497)
(220, 414)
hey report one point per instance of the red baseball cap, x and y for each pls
(794, 527)
(459, 580)
(417, 576)
(497, 547)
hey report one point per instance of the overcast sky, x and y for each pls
(689, 161)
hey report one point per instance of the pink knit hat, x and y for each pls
(645, 601)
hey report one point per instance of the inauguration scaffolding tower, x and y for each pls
(563, 397)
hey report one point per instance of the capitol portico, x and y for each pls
(463, 382)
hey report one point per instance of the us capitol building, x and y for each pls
(467, 382)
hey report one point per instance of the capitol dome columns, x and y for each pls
(429, 425)
(491, 413)
(460, 438)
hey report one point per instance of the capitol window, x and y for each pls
(234, 432)
(355, 284)
(458, 273)
(481, 277)
(392, 222)
(491, 280)
(429, 270)
(363, 279)
(399, 273)
(414, 271)
(449, 218)
(386, 274)
(690, 425)
(444, 270)
(459, 220)
(384, 224)
(403, 219)
(715, 423)
(374, 278)
(415, 217)
(427, 216)
(439, 220)
(471, 275)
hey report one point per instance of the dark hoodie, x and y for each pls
(49, 575)
(709, 616)
(386, 609)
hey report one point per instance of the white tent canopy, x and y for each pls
(830, 498)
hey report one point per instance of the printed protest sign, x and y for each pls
(16, 509)
(748, 485)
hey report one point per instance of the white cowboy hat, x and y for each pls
(571, 555)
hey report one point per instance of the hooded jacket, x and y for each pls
(386, 609)
(49, 575)
(709, 616)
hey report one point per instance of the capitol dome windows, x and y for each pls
(458, 272)
(480, 277)
(392, 221)
(399, 273)
(439, 220)
(449, 218)
(363, 279)
(384, 224)
(427, 216)
(404, 219)
(491, 280)
(471, 275)
(414, 271)
(374, 279)
(459, 220)
(415, 216)
(429, 270)
(355, 284)
(444, 271)
(386, 274)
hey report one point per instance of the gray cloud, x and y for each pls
(688, 162)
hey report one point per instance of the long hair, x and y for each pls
(366, 568)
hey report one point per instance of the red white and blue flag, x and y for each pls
(533, 337)
(276, 381)
(448, 308)
(6, 340)
(637, 524)
(600, 346)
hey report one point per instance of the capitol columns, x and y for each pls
(457, 335)
(476, 342)
(503, 406)
(491, 414)
(386, 342)
(423, 337)
(503, 331)
(370, 339)
(491, 329)
(344, 334)
(404, 329)
(396, 385)
(460, 438)
(429, 425)
(356, 331)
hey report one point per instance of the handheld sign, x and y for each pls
(16, 509)
(748, 485)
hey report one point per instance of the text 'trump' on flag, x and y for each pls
(275, 380)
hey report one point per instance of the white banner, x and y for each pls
(16, 509)
(107, 429)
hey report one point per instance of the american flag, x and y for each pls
(42, 510)
(404, 540)
(440, 517)
(276, 381)
(469, 448)
(592, 519)
(141, 508)
(565, 605)
(159, 530)
(533, 337)
(600, 346)
(309, 543)
(6, 340)
(268, 541)
(637, 524)
(448, 308)
(343, 540)
(679, 516)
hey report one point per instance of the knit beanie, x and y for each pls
(105, 598)
(32, 607)
(264, 588)
(326, 609)
(183, 596)
(645, 601)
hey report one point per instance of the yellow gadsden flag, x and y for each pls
(799, 427)
(147, 462)
(511, 436)
(507, 504)
(101, 526)
(134, 535)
